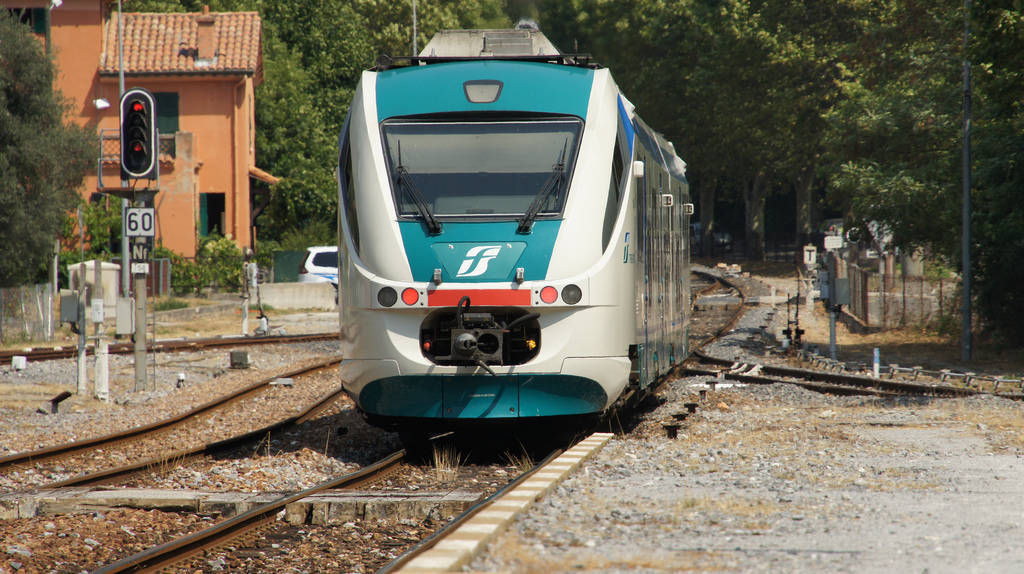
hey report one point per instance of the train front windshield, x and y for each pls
(485, 169)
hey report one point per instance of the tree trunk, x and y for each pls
(707, 215)
(754, 197)
(804, 183)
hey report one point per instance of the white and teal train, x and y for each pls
(513, 240)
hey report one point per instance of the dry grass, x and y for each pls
(1001, 428)
(166, 465)
(446, 462)
(522, 462)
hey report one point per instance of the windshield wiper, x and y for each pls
(402, 175)
(553, 182)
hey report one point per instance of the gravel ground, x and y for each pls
(760, 479)
(781, 479)
(337, 441)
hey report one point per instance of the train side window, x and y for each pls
(348, 192)
(615, 189)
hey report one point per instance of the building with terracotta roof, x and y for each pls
(203, 69)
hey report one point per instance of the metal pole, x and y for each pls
(832, 307)
(125, 249)
(415, 49)
(83, 380)
(140, 329)
(966, 201)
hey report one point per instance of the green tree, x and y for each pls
(998, 225)
(894, 142)
(43, 157)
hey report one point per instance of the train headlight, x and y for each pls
(387, 296)
(410, 296)
(572, 294)
(548, 294)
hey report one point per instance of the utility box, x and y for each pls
(68, 308)
(842, 294)
(125, 316)
(84, 275)
(239, 360)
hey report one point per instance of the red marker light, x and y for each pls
(138, 106)
(548, 294)
(410, 296)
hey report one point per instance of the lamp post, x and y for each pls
(965, 352)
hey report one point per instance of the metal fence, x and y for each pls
(26, 313)
(880, 300)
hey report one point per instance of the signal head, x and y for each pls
(138, 134)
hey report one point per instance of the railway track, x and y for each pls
(164, 346)
(181, 550)
(81, 449)
(823, 381)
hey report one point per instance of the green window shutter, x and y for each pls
(204, 216)
(166, 112)
(39, 20)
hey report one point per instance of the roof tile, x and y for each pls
(168, 44)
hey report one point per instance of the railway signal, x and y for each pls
(138, 134)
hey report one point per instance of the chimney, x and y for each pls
(205, 43)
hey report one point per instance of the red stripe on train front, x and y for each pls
(478, 297)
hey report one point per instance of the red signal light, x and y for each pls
(138, 106)
(410, 296)
(548, 294)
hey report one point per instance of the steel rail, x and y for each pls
(832, 388)
(181, 549)
(432, 540)
(165, 346)
(858, 381)
(68, 449)
(735, 317)
(120, 473)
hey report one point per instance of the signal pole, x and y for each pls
(140, 322)
(125, 204)
(139, 149)
(965, 352)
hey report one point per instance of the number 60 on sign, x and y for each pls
(140, 222)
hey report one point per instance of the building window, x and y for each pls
(211, 214)
(35, 17)
(167, 120)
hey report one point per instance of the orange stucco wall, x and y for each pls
(216, 117)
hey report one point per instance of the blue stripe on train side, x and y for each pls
(527, 87)
(626, 124)
(454, 249)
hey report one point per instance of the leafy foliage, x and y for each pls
(216, 267)
(43, 159)
(858, 101)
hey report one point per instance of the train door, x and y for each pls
(643, 291)
(660, 213)
(672, 250)
(683, 277)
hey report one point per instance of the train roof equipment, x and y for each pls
(523, 43)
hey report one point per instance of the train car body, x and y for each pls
(514, 244)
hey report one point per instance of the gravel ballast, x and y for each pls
(781, 479)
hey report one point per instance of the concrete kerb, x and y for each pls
(460, 546)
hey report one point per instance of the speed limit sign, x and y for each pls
(140, 222)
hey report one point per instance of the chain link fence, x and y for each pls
(26, 313)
